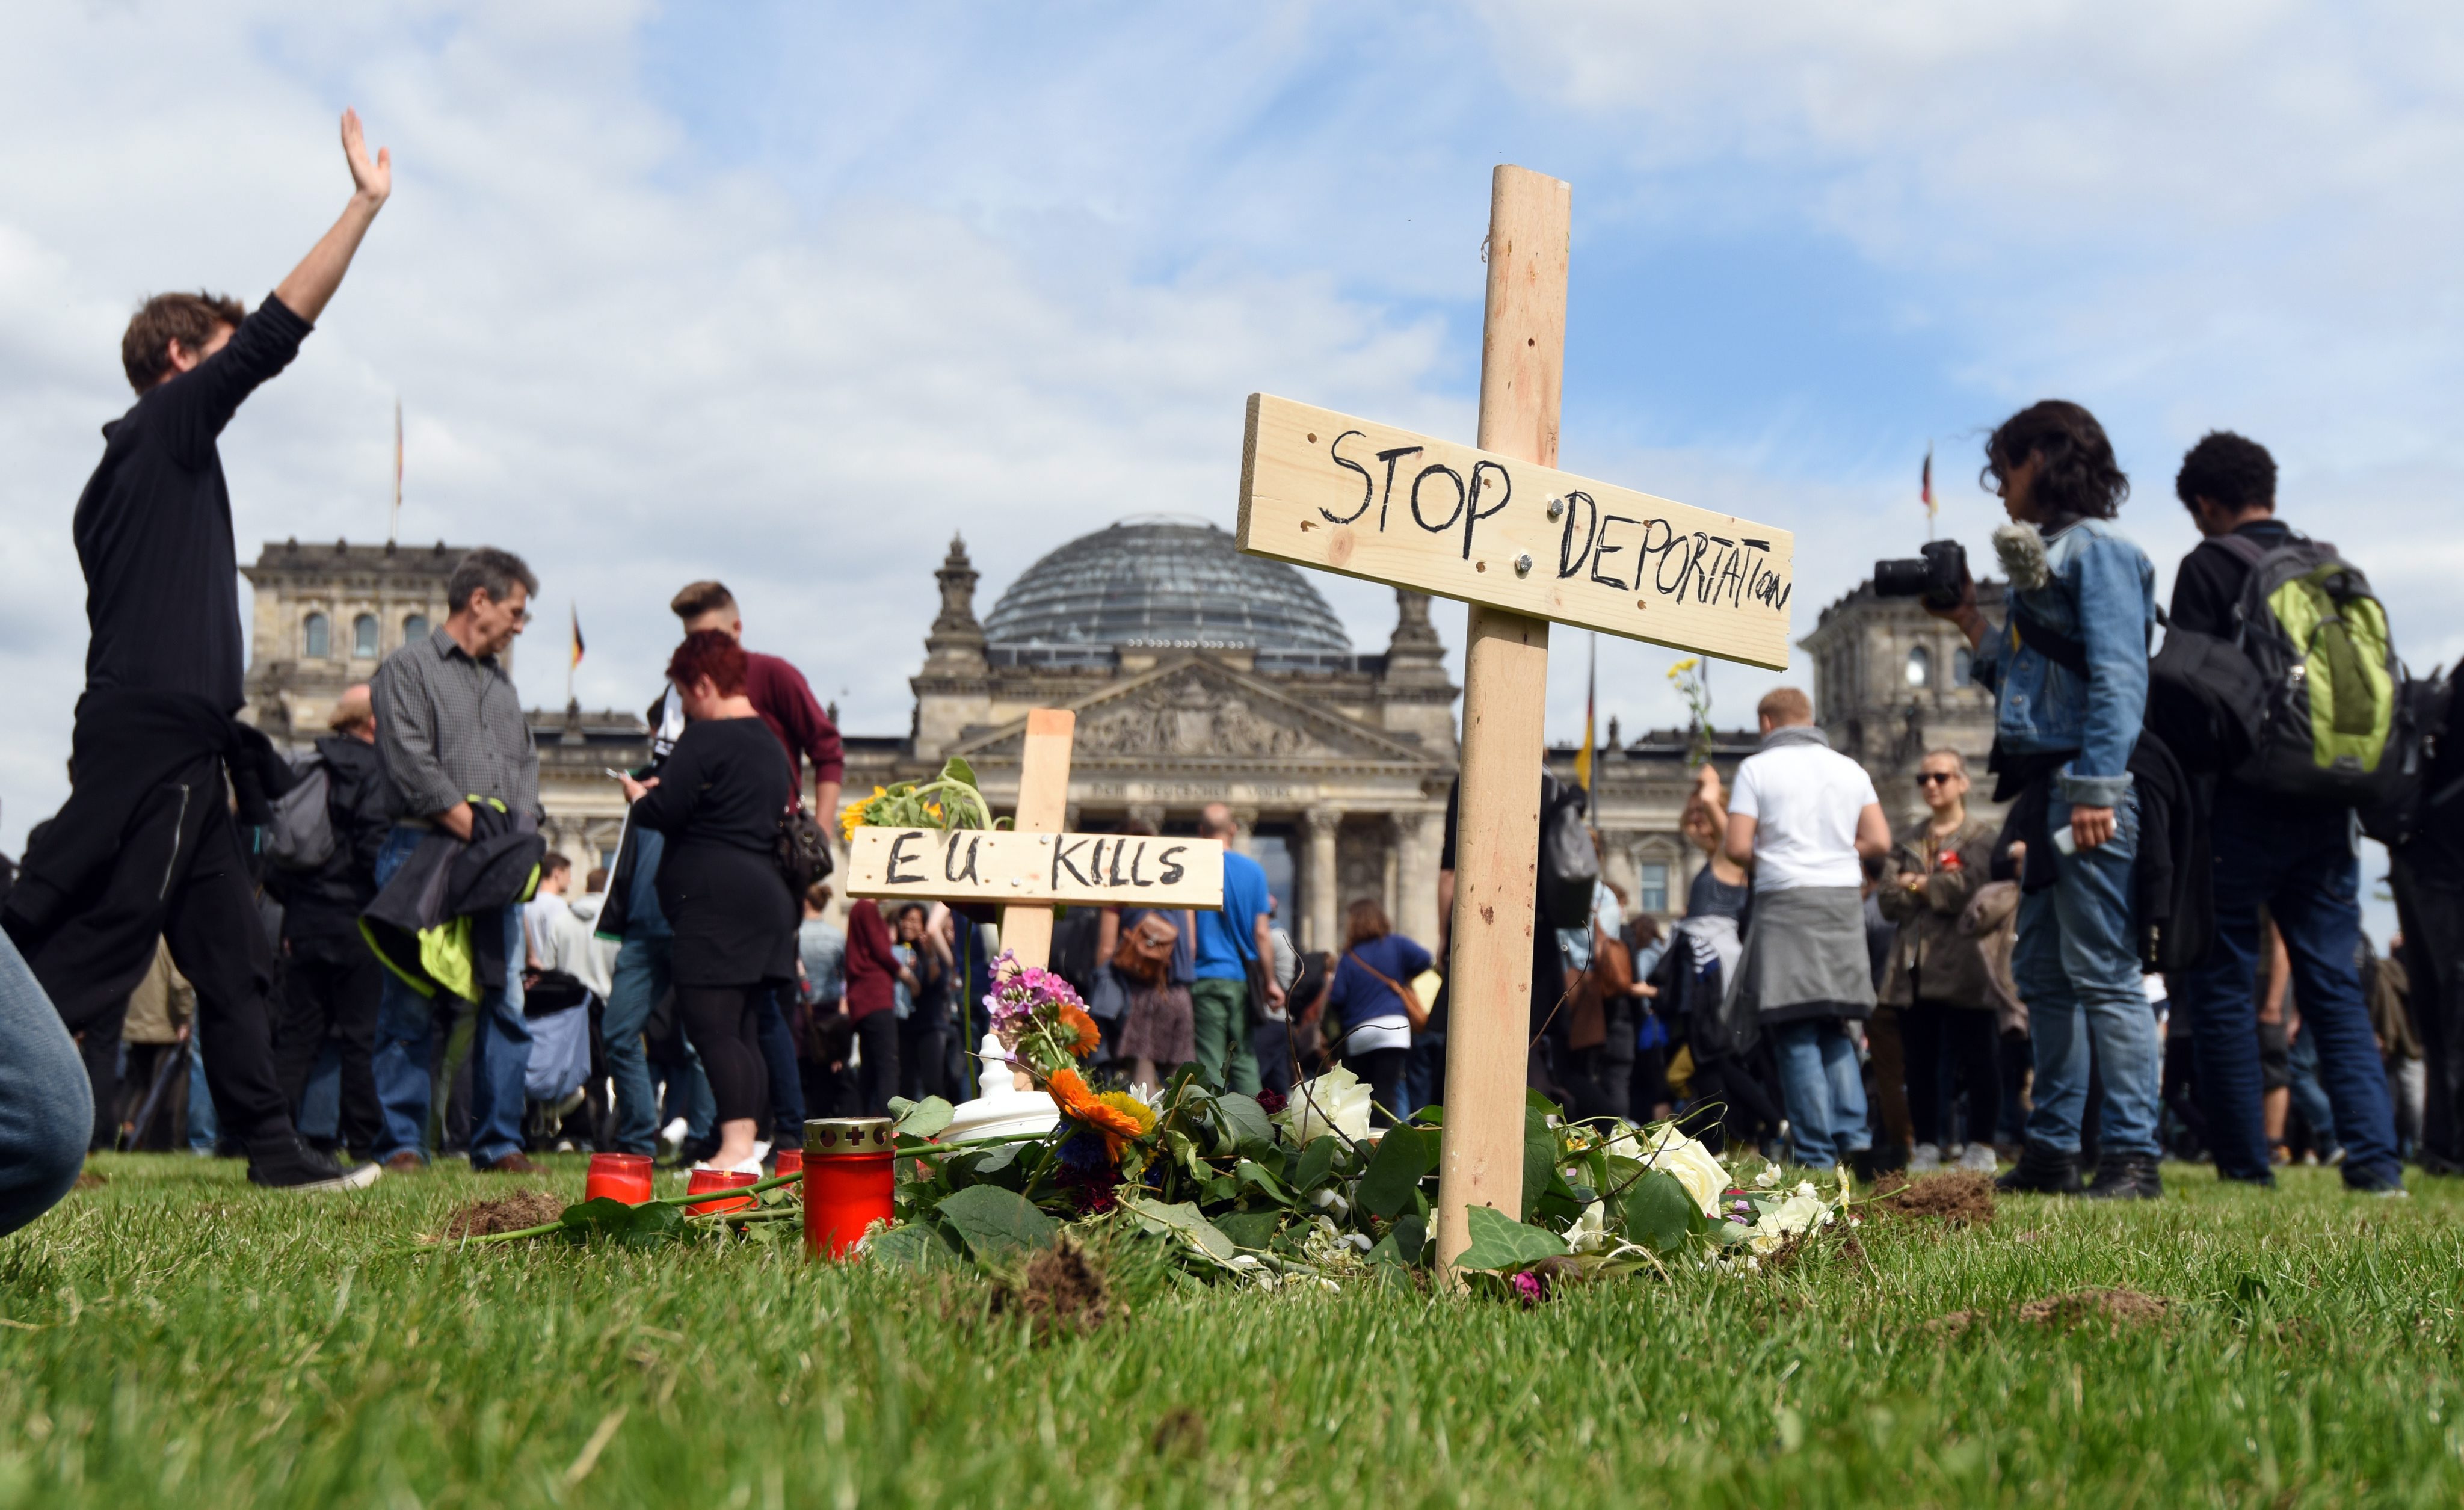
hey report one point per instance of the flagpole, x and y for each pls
(393, 520)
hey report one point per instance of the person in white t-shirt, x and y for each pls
(1801, 818)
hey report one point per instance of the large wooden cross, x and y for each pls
(1032, 867)
(1499, 527)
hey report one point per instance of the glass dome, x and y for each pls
(1168, 580)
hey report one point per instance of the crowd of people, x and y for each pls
(359, 961)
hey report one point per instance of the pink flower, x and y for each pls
(1530, 1288)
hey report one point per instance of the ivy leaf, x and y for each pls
(1403, 1156)
(1659, 1213)
(918, 1247)
(921, 1118)
(1402, 1244)
(1499, 1243)
(996, 1223)
(1181, 1219)
(1250, 1229)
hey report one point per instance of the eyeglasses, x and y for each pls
(1929, 778)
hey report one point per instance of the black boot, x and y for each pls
(2044, 1169)
(2126, 1177)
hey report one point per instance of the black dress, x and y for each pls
(718, 801)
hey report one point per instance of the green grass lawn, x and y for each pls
(177, 1338)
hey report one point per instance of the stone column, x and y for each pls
(1244, 831)
(1416, 877)
(1324, 929)
(1150, 813)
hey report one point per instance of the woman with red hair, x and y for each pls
(718, 799)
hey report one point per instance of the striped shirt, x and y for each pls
(450, 727)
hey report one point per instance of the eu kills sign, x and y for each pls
(1036, 870)
(1346, 494)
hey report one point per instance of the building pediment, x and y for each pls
(1197, 710)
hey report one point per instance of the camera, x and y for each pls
(1934, 576)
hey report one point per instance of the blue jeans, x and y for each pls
(779, 1058)
(46, 1104)
(640, 980)
(2077, 971)
(2301, 865)
(1822, 1091)
(2309, 1097)
(406, 1042)
(204, 1128)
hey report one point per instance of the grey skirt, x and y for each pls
(1805, 956)
(1162, 1025)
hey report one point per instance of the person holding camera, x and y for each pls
(1936, 977)
(2069, 676)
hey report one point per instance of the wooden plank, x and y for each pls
(1351, 496)
(1032, 873)
(1042, 801)
(1505, 691)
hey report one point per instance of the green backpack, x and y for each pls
(2320, 640)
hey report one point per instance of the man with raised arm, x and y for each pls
(145, 845)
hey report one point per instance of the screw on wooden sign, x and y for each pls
(1351, 496)
(1497, 526)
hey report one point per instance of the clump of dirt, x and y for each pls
(1958, 1198)
(506, 1213)
(1061, 1290)
(1951, 1324)
(2115, 1307)
(1180, 1433)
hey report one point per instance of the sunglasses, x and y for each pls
(1929, 778)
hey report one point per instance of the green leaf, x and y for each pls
(1539, 1153)
(996, 1223)
(1222, 1188)
(1404, 1244)
(1250, 1229)
(1181, 1219)
(1403, 1156)
(918, 1247)
(1659, 1213)
(954, 769)
(1533, 1101)
(1499, 1243)
(1317, 1161)
(1251, 1173)
(1243, 1124)
(992, 1161)
(920, 1119)
(630, 1226)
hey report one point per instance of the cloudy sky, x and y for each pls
(788, 294)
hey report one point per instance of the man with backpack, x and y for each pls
(331, 980)
(2283, 831)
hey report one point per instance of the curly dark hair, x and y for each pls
(2076, 473)
(2229, 469)
(712, 654)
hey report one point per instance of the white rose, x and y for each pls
(1695, 1166)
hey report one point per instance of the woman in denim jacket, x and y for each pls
(2069, 671)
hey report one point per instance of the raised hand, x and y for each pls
(374, 180)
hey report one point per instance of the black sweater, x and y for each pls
(718, 801)
(153, 527)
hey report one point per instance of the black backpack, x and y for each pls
(2423, 765)
(1570, 867)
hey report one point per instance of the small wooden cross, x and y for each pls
(1033, 867)
(1497, 526)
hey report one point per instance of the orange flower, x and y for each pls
(1083, 1107)
(1078, 1022)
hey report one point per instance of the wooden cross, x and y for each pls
(1033, 866)
(1497, 526)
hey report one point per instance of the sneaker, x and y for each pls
(2387, 1185)
(1926, 1159)
(405, 1162)
(298, 1167)
(2043, 1169)
(2128, 1177)
(2335, 1158)
(1978, 1159)
(513, 1164)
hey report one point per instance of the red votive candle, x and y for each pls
(619, 1177)
(787, 1161)
(847, 1178)
(706, 1181)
